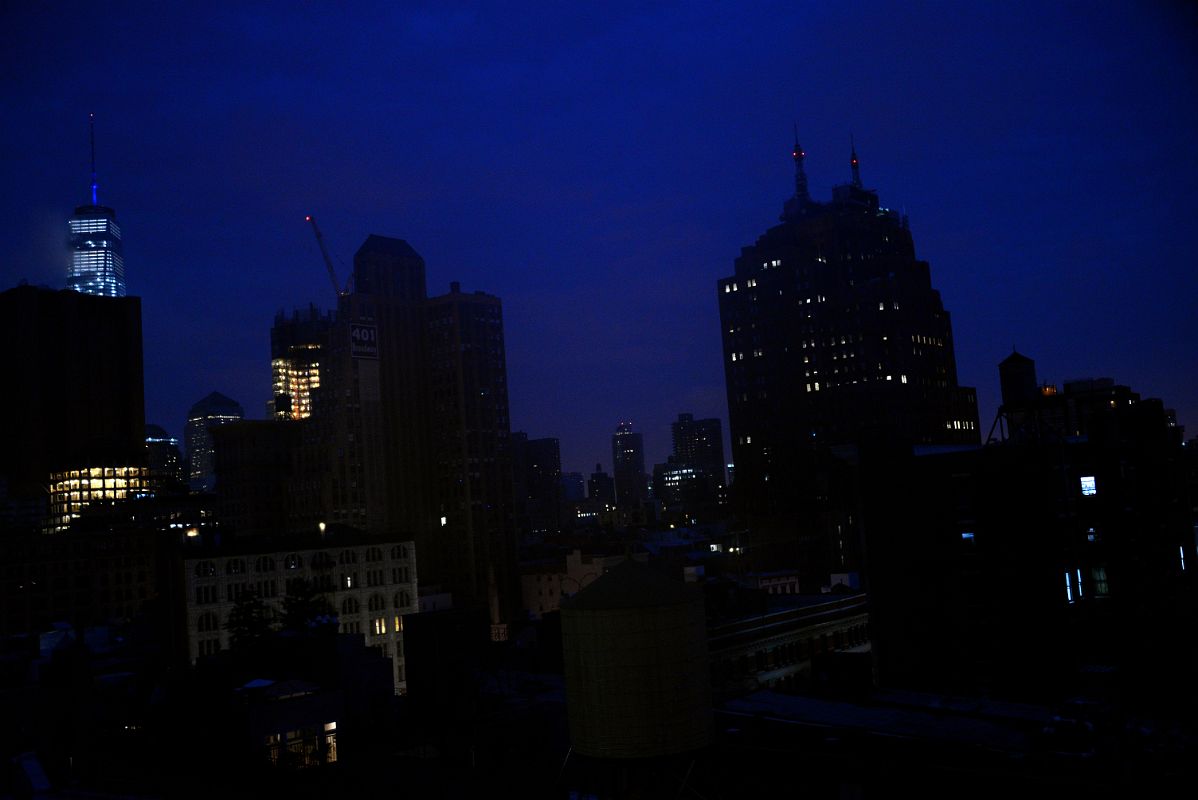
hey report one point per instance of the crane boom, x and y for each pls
(324, 251)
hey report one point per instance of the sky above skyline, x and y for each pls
(599, 169)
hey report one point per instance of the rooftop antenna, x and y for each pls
(853, 162)
(801, 191)
(95, 186)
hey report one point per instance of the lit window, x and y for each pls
(1068, 586)
(966, 536)
(1089, 486)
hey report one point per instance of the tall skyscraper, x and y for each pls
(628, 460)
(97, 258)
(211, 411)
(473, 553)
(539, 463)
(72, 415)
(296, 345)
(833, 334)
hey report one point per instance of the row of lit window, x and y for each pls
(960, 425)
(93, 225)
(921, 339)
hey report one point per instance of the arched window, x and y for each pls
(348, 557)
(399, 551)
(264, 564)
(293, 561)
(235, 566)
(322, 560)
(402, 600)
(208, 622)
(205, 569)
(377, 602)
(374, 554)
(350, 605)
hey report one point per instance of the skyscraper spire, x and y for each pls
(853, 161)
(95, 185)
(801, 192)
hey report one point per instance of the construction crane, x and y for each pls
(328, 262)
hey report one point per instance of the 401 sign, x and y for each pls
(363, 341)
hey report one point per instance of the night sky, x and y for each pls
(599, 170)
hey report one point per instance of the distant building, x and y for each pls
(690, 483)
(540, 464)
(210, 412)
(631, 483)
(600, 487)
(699, 443)
(163, 457)
(574, 487)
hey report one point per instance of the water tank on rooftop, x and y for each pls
(637, 681)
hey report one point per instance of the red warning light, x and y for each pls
(308, 218)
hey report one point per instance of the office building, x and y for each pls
(296, 344)
(628, 464)
(97, 258)
(75, 400)
(699, 443)
(208, 413)
(473, 552)
(163, 457)
(832, 335)
(539, 464)
(601, 488)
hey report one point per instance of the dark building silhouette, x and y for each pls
(689, 484)
(473, 552)
(574, 487)
(390, 415)
(832, 334)
(539, 463)
(628, 466)
(213, 410)
(699, 443)
(73, 399)
(1054, 561)
(600, 487)
(163, 457)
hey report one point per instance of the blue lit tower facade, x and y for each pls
(97, 260)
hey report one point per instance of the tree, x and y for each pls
(305, 608)
(250, 621)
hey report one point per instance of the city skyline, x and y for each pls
(601, 196)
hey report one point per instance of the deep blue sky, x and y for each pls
(600, 169)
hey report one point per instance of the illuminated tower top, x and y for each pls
(97, 261)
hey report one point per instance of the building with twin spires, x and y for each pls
(833, 334)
